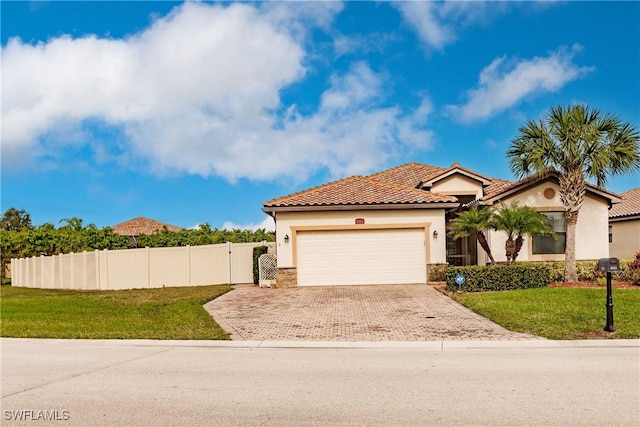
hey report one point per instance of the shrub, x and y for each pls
(587, 270)
(633, 269)
(436, 272)
(257, 251)
(629, 271)
(499, 277)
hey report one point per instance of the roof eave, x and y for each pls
(359, 207)
(624, 217)
(527, 184)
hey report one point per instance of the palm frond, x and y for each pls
(576, 138)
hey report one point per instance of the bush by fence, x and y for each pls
(257, 251)
(498, 277)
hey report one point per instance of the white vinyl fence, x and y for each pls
(226, 263)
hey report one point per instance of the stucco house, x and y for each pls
(391, 226)
(624, 226)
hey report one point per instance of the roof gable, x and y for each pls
(501, 189)
(142, 225)
(454, 170)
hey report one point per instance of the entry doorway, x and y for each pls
(462, 251)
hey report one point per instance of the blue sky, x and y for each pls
(200, 112)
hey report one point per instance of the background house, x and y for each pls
(141, 225)
(624, 226)
(389, 227)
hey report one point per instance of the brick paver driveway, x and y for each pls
(350, 313)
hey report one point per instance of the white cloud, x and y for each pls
(362, 43)
(438, 23)
(504, 83)
(267, 223)
(360, 86)
(199, 92)
(425, 19)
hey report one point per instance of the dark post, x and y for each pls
(609, 327)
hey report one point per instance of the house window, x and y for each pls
(610, 234)
(547, 244)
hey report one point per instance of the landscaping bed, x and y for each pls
(615, 284)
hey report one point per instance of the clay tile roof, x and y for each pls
(499, 186)
(141, 225)
(409, 174)
(402, 185)
(358, 190)
(630, 204)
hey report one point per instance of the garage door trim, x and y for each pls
(351, 227)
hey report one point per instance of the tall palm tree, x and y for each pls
(518, 221)
(473, 221)
(580, 143)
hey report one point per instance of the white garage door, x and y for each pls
(361, 257)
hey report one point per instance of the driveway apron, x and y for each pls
(351, 313)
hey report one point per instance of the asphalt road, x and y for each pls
(163, 383)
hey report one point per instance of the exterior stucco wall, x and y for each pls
(626, 239)
(592, 230)
(458, 184)
(287, 223)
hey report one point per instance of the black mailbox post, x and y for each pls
(609, 265)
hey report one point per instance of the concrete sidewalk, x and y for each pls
(351, 313)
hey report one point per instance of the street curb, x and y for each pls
(427, 345)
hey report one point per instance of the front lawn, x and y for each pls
(559, 313)
(165, 313)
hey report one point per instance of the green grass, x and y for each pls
(177, 313)
(165, 313)
(559, 313)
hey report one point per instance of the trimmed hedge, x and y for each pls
(436, 272)
(587, 270)
(498, 277)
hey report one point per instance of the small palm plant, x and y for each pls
(518, 221)
(476, 221)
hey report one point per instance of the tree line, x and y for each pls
(19, 238)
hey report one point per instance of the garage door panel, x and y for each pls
(361, 257)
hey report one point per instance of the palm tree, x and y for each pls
(580, 143)
(473, 221)
(518, 221)
(74, 223)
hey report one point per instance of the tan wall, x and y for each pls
(592, 231)
(458, 184)
(626, 239)
(139, 268)
(431, 219)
